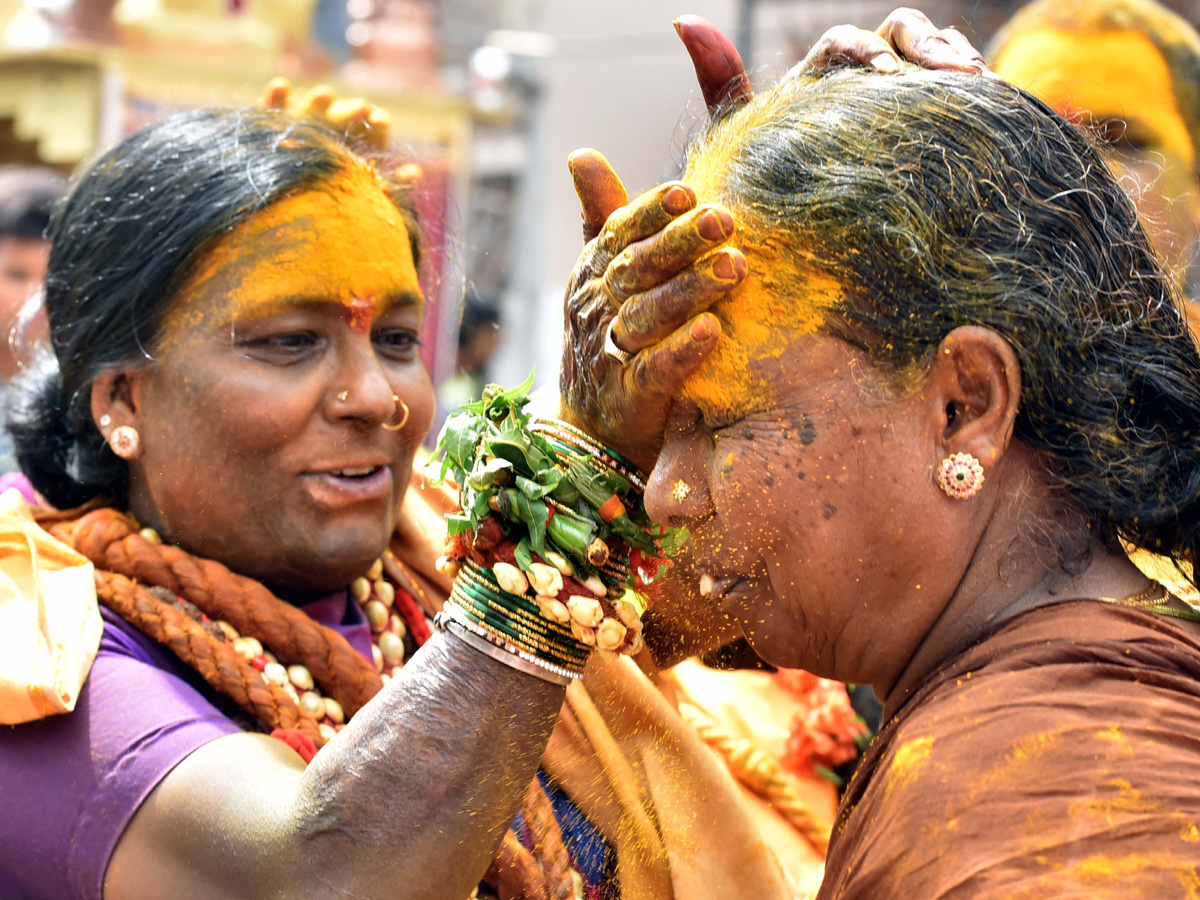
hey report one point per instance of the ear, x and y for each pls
(118, 396)
(974, 386)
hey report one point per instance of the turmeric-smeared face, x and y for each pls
(1120, 82)
(337, 245)
(261, 420)
(799, 477)
(775, 305)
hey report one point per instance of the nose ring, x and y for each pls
(400, 404)
(680, 490)
(344, 396)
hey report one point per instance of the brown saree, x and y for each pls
(1058, 758)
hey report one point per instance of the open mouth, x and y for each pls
(350, 484)
(359, 472)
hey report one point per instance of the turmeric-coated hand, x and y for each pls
(650, 270)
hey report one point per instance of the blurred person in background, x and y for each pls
(28, 194)
(1129, 70)
(478, 338)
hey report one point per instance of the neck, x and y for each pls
(1012, 571)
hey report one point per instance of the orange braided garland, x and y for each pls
(218, 663)
(125, 562)
(111, 541)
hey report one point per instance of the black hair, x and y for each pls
(939, 200)
(28, 195)
(131, 230)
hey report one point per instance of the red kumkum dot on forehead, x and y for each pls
(359, 314)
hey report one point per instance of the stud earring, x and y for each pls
(105, 420)
(960, 476)
(125, 442)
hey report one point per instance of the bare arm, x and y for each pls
(410, 800)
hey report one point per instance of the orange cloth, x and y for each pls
(50, 623)
(1057, 758)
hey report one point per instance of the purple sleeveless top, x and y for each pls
(71, 783)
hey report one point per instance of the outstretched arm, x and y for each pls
(410, 800)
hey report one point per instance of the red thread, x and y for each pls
(297, 741)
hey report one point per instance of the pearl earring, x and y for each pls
(960, 476)
(125, 442)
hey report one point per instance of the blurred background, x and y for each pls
(490, 95)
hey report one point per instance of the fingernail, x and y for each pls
(712, 226)
(701, 330)
(677, 200)
(885, 62)
(726, 266)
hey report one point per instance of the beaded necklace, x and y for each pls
(397, 624)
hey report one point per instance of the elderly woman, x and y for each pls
(955, 382)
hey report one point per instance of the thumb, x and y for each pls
(600, 190)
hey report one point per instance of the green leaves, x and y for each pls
(516, 507)
(572, 534)
(524, 554)
(595, 486)
(456, 446)
(488, 472)
(507, 470)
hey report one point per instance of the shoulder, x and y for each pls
(73, 782)
(1052, 753)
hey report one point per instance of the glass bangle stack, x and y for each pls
(551, 550)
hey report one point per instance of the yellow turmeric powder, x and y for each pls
(344, 239)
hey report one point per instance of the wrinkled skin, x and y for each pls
(814, 510)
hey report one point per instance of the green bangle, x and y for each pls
(522, 635)
(478, 605)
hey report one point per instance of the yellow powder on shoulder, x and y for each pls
(1014, 768)
(908, 763)
(1107, 871)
